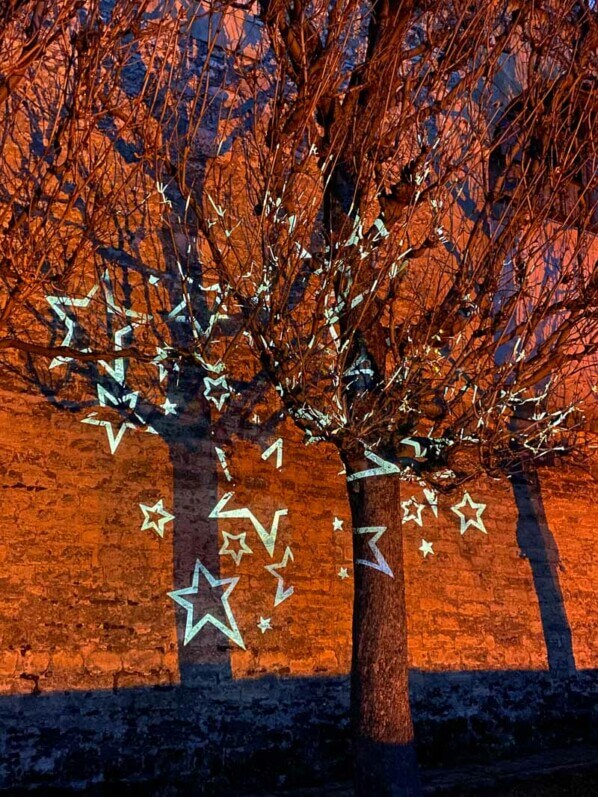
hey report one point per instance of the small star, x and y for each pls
(264, 624)
(337, 524)
(412, 514)
(157, 525)
(219, 397)
(426, 548)
(343, 573)
(243, 547)
(168, 407)
(477, 522)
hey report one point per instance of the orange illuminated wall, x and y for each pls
(84, 591)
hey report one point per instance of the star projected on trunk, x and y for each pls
(150, 513)
(475, 522)
(380, 562)
(216, 390)
(412, 510)
(202, 574)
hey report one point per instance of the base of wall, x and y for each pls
(215, 736)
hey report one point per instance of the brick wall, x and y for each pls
(94, 685)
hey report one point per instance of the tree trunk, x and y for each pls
(384, 752)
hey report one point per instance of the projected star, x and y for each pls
(281, 593)
(168, 407)
(216, 390)
(264, 624)
(243, 547)
(343, 573)
(105, 398)
(412, 510)
(427, 548)
(475, 522)
(193, 628)
(337, 524)
(58, 305)
(155, 517)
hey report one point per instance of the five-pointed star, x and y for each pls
(414, 514)
(264, 624)
(343, 573)
(58, 303)
(164, 517)
(129, 400)
(477, 522)
(337, 524)
(243, 547)
(218, 397)
(191, 629)
(168, 406)
(426, 548)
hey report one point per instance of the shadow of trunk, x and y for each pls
(538, 546)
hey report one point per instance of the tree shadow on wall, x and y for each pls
(538, 546)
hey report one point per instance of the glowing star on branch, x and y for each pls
(384, 467)
(276, 446)
(168, 407)
(477, 522)
(380, 564)
(157, 509)
(58, 303)
(414, 514)
(426, 548)
(265, 624)
(281, 593)
(191, 629)
(243, 547)
(337, 524)
(268, 538)
(219, 397)
(343, 573)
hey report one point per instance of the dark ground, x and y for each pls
(568, 772)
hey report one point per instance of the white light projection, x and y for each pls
(223, 463)
(218, 396)
(337, 524)
(149, 522)
(432, 499)
(343, 573)
(268, 538)
(168, 407)
(281, 593)
(275, 447)
(414, 513)
(384, 467)
(242, 549)
(129, 400)
(477, 522)
(192, 629)
(427, 548)
(265, 624)
(58, 303)
(380, 564)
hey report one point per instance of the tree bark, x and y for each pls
(384, 752)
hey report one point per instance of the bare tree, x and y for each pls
(407, 224)
(397, 200)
